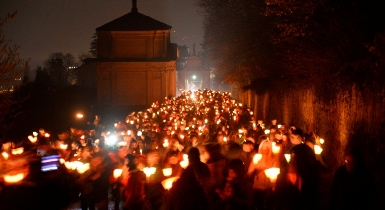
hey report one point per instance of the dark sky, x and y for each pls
(42, 27)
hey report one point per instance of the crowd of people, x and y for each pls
(211, 149)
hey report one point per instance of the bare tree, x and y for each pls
(12, 68)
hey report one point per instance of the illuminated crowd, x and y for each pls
(201, 150)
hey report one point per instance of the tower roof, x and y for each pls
(134, 21)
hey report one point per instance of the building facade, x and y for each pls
(135, 64)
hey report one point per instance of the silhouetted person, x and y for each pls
(134, 186)
(186, 193)
(353, 185)
(237, 192)
(201, 170)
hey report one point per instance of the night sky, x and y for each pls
(42, 27)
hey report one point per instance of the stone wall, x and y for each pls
(349, 119)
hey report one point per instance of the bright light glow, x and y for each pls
(279, 126)
(76, 164)
(83, 168)
(5, 155)
(79, 115)
(184, 163)
(321, 141)
(194, 76)
(111, 140)
(257, 157)
(167, 171)
(167, 183)
(165, 144)
(13, 178)
(288, 157)
(275, 148)
(118, 172)
(267, 132)
(32, 138)
(47, 135)
(63, 146)
(18, 151)
(68, 165)
(272, 174)
(149, 171)
(34, 134)
(317, 149)
(122, 143)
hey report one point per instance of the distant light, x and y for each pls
(79, 115)
(194, 77)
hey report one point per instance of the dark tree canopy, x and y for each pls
(295, 43)
(61, 69)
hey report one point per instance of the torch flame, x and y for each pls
(288, 157)
(275, 149)
(257, 157)
(118, 172)
(18, 151)
(167, 171)
(317, 149)
(272, 174)
(13, 178)
(167, 183)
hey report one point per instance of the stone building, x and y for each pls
(191, 75)
(135, 64)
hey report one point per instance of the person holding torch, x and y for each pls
(262, 185)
